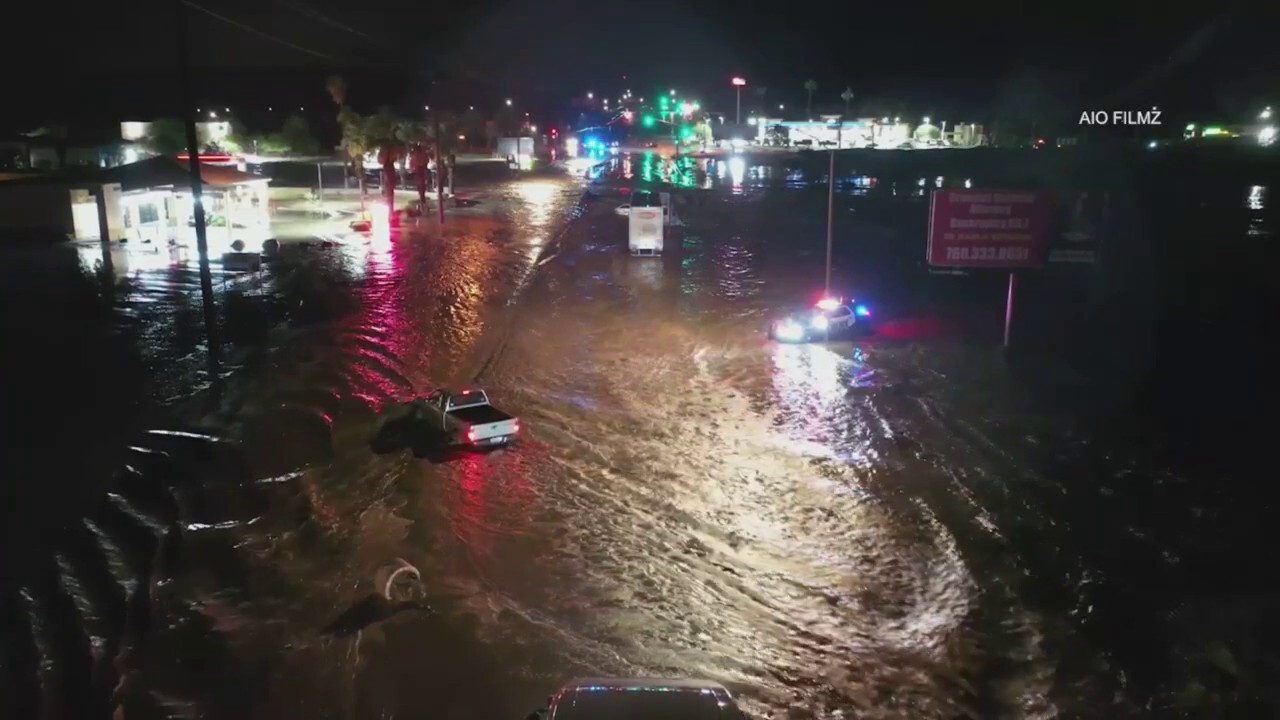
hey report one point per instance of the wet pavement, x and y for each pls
(885, 527)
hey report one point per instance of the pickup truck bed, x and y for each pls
(480, 415)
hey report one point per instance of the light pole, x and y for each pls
(737, 84)
(831, 203)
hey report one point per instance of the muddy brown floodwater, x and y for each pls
(862, 527)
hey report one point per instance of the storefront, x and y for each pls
(151, 202)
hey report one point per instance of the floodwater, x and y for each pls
(889, 527)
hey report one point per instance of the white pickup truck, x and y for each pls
(466, 418)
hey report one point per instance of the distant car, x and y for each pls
(804, 143)
(828, 318)
(640, 698)
(624, 209)
(466, 418)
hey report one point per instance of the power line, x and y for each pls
(259, 33)
(314, 14)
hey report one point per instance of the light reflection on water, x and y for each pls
(1257, 199)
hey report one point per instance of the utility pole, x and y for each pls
(197, 187)
(831, 201)
(737, 85)
(439, 173)
(319, 184)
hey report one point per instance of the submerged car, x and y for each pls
(640, 699)
(828, 318)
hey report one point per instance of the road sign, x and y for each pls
(989, 228)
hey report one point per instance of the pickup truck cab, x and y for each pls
(465, 417)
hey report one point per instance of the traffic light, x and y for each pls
(662, 102)
(647, 121)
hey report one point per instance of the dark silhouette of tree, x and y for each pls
(296, 134)
(166, 136)
(1027, 107)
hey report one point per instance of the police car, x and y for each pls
(829, 317)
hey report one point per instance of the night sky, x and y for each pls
(118, 60)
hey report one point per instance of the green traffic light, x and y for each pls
(647, 121)
(662, 101)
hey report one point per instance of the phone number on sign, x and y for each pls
(988, 253)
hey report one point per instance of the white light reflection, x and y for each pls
(737, 171)
(1257, 197)
(806, 379)
(540, 197)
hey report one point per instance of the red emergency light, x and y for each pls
(208, 158)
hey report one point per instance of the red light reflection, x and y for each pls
(494, 502)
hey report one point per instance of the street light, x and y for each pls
(781, 106)
(508, 102)
(672, 93)
(737, 85)
(926, 119)
(591, 96)
(1265, 114)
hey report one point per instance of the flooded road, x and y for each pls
(885, 527)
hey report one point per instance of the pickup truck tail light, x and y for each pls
(515, 426)
(471, 434)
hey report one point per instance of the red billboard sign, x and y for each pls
(990, 228)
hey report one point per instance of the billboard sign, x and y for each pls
(990, 228)
(1082, 217)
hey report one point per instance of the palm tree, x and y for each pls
(337, 88)
(419, 147)
(847, 97)
(355, 143)
(353, 140)
(810, 86)
(384, 132)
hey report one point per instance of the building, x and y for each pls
(145, 202)
(49, 152)
(207, 133)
